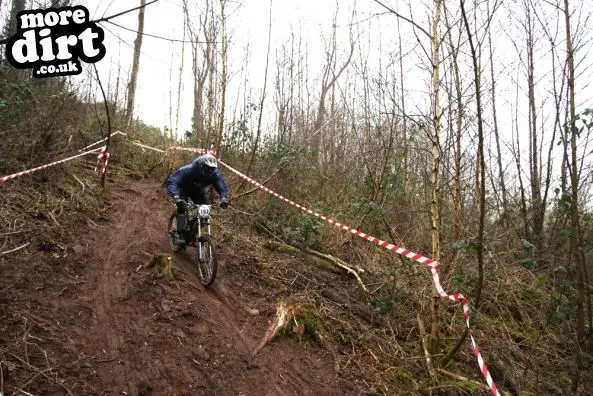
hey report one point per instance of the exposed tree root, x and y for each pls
(284, 314)
(296, 319)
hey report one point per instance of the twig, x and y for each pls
(257, 188)
(14, 232)
(15, 249)
(42, 372)
(53, 217)
(158, 163)
(78, 180)
(462, 378)
(105, 19)
(429, 366)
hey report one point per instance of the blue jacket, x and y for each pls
(190, 178)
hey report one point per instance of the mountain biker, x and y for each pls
(190, 181)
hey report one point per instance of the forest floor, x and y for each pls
(82, 316)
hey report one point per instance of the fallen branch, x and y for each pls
(286, 248)
(336, 261)
(15, 249)
(462, 378)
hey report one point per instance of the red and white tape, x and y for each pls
(103, 156)
(4, 179)
(173, 148)
(102, 140)
(432, 264)
(137, 143)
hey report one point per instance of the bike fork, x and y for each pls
(200, 251)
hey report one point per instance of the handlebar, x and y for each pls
(190, 203)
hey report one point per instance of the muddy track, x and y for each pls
(122, 331)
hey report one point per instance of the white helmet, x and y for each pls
(208, 160)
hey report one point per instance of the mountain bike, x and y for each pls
(199, 216)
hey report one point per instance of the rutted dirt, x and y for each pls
(90, 316)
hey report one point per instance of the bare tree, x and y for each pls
(482, 163)
(328, 79)
(200, 65)
(575, 234)
(176, 134)
(436, 163)
(501, 180)
(171, 96)
(536, 200)
(11, 28)
(223, 77)
(135, 66)
(11, 25)
(262, 98)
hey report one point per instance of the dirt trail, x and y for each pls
(110, 328)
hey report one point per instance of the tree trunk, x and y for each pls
(575, 234)
(223, 78)
(536, 199)
(11, 26)
(212, 66)
(435, 174)
(482, 164)
(171, 96)
(176, 134)
(496, 134)
(326, 84)
(135, 67)
(262, 100)
(9, 30)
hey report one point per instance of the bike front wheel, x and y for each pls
(171, 230)
(207, 259)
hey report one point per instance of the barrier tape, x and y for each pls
(137, 143)
(173, 148)
(432, 264)
(4, 179)
(103, 155)
(102, 140)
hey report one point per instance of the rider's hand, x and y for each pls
(224, 204)
(180, 204)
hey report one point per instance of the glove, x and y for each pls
(180, 204)
(224, 204)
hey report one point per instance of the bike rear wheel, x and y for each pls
(172, 229)
(207, 259)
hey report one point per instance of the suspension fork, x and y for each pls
(200, 253)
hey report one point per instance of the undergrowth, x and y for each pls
(524, 325)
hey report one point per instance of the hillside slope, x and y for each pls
(85, 316)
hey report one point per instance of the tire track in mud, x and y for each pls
(151, 338)
(121, 240)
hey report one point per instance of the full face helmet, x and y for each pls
(208, 164)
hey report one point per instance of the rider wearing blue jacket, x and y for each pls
(190, 181)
